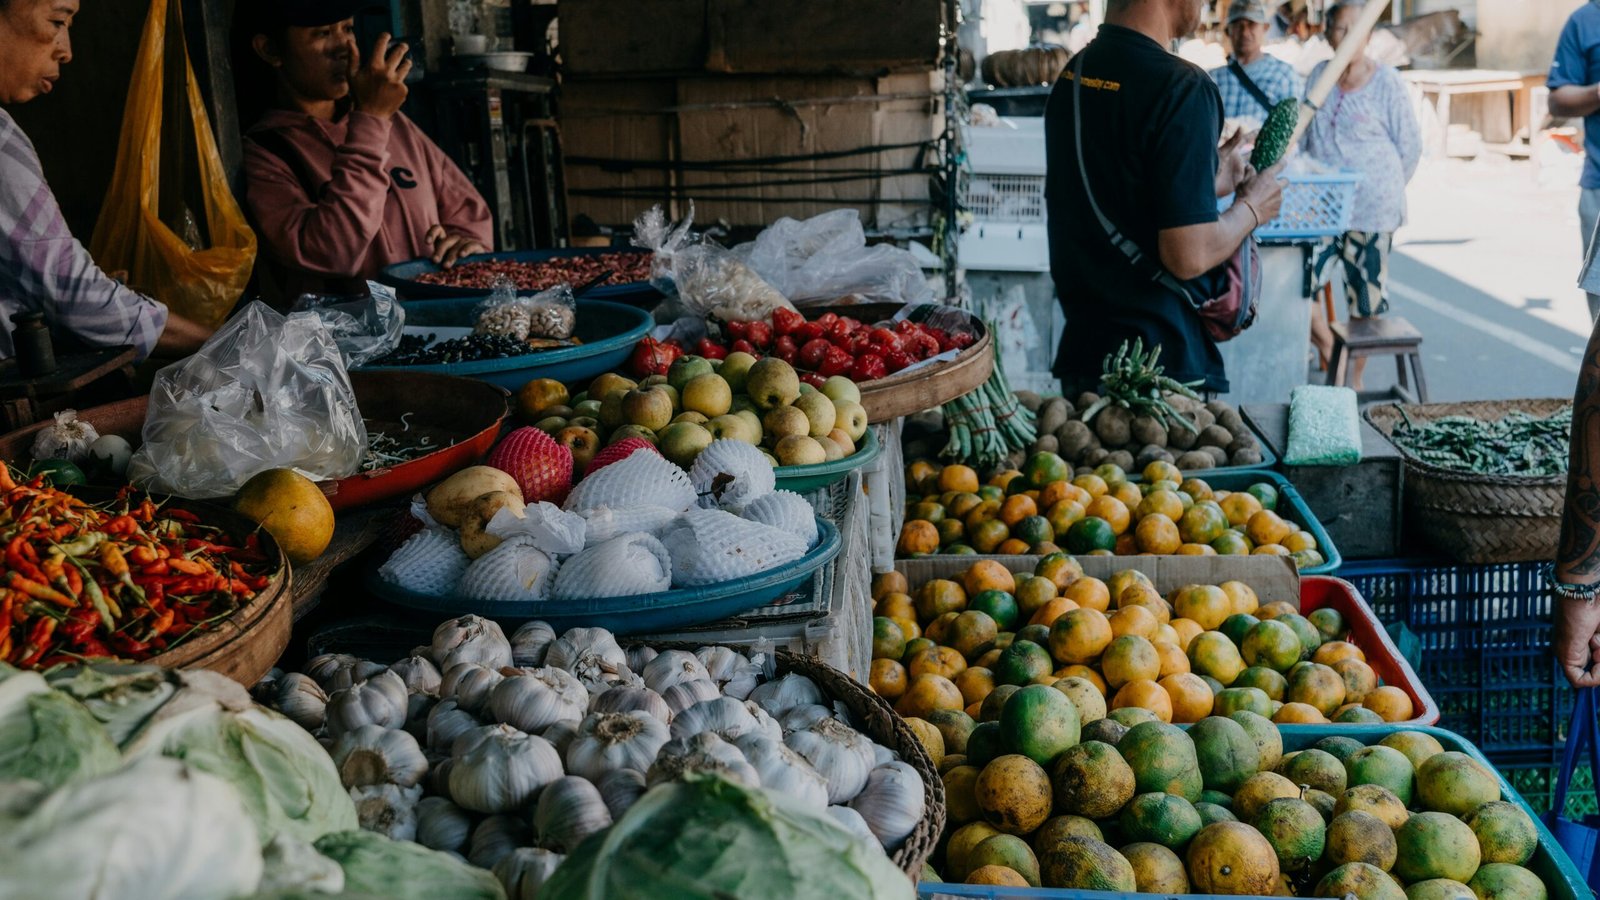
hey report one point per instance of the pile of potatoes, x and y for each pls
(1119, 437)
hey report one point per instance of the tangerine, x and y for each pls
(1134, 620)
(1147, 695)
(1060, 569)
(958, 478)
(988, 575)
(1205, 604)
(1202, 524)
(1157, 533)
(1087, 674)
(1062, 515)
(1164, 503)
(889, 583)
(918, 537)
(1012, 547)
(1160, 470)
(1089, 593)
(1090, 535)
(975, 684)
(1391, 703)
(1243, 597)
(1093, 484)
(1239, 507)
(1016, 508)
(896, 606)
(939, 596)
(1048, 614)
(1197, 489)
(987, 536)
(963, 503)
(888, 679)
(951, 531)
(1113, 511)
(1079, 636)
(1189, 695)
(1267, 527)
(1188, 630)
(926, 693)
(983, 512)
(1232, 543)
(1173, 659)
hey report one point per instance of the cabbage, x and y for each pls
(153, 830)
(286, 780)
(122, 697)
(46, 737)
(706, 837)
(374, 864)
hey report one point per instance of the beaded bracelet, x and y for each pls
(1585, 592)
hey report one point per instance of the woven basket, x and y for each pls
(1479, 518)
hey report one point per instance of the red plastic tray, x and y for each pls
(1366, 632)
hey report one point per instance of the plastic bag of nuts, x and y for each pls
(551, 314)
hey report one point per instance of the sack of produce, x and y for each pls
(265, 392)
(702, 278)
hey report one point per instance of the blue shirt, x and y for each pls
(1276, 78)
(1578, 62)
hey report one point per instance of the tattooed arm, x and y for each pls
(1577, 639)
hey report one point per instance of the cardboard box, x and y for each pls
(616, 37)
(817, 37)
(604, 124)
(1273, 578)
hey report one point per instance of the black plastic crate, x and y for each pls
(1535, 779)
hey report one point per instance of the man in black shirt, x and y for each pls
(1151, 123)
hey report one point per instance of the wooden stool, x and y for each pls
(1379, 336)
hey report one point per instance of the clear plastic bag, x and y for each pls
(265, 392)
(826, 257)
(550, 315)
(703, 278)
(365, 328)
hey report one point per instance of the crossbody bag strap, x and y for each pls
(1249, 84)
(1122, 242)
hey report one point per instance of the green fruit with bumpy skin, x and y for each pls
(1235, 699)
(1316, 768)
(1237, 626)
(1436, 845)
(1272, 142)
(1272, 644)
(955, 726)
(1263, 679)
(1503, 881)
(1226, 752)
(1455, 783)
(984, 744)
(1259, 790)
(1160, 819)
(1294, 829)
(1211, 814)
(1091, 780)
(1163, 760)
(1086, 864)
(1382, 765)
(1357, 836)
(1374, 799)
(1131, 716)
(1269, 741)
(1505, 833)
(1310, 637)
(1059, 828)
(1361, 881)
(1440, 889)
(1039, 722)
(1339, 747)
(1022, 663)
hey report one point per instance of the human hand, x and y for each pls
(449, 249)
(1233, 165)
(1577, 642)
(379, 84)
(1264, 192)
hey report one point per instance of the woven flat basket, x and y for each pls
(1479, 518)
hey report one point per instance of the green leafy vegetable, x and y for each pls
(48, 737)
(123, 697)
(1518, 444)
(376, 865)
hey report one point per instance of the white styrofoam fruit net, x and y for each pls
(605, 523)
(640, 479)
(785, 511)
(624, 566)
(514, 572)
(712, 546)
(731, 475)
(429, 562)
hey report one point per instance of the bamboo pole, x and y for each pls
(1370, 14)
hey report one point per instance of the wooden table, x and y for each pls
(24, 401)
(353, 534)
(1444, 84)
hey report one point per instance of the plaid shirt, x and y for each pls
(44, 269)
(1276, 78)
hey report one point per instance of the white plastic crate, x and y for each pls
(1014, 147)
(1006, 247)
(1007, 198)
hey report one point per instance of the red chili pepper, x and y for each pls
(123, 524)
(183, 515)
(160, 567)
(142, 555)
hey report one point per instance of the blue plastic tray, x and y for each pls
(1549, 862)
(805, 479)
(608, 330)
(1291, 506)
(644, 614)
(403, 277)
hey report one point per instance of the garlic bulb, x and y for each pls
(783, 694)
(442, 825)
(705, 752)
(680, 697)
(732, 671)
(802, 717)
(569, 811)
(469, 684)
(418, 706)
(639, 656)
(497, 837)
(729, 718)
(531, 643)
(891, 803)
(470, 639)
(882, 756)
(372, 755)
(446, 722)
(610, 741)
(380, 700)
(784, 771)
(438, 777)
(501, 769)
(419, 674)
(561, 735)
(337, 671)
(620, 789)
(671, 668)
(629, 699)
(539, 699)
(592, 654)
(525, 870)
(839, 753)
(853, 823)
(300, 698)
(388, 809)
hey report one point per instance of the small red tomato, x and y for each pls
(813, 379)
(812, 353)
(870, 367)
(760, 334)
(837, 362)
(785, 321)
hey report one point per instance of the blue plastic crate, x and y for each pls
(1314, 206)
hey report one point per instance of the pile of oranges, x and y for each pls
(1118, 648)
(1037, 510)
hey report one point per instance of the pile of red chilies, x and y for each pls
(129, 581)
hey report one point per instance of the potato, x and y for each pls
(1095, 457)
(1232, 421)
(1151, 453)
(1086, 400)
(1045, 444)
(1113, 425)
(1196, 460)
(1245, 457)
(1052, 415)
(1218, 455)
(1243, 442)
(1218, 407)
(1148, 430)
(1203, 419)
(1122, 459)
(1029, 399)
(475, 541)
(1180, 438)
(1215, 436)
(451, 500)
(1073, 439)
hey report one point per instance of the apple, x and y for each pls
(560, 411)
(819, 410)
(800, 450)
(785, 421)
(806, 389)
(687, 368)
(842, 438)
(611, 414)
(841, 390)
(590, 408)
(735, 369)
(602, 386)
(708, 395)
(691, 417)
(770, 458)
(632, 431)
(653, 380)
(853, 419)
(772, 383)
(682, 442)
(731, 427)
(588, 422)
(583, 443)
(551, 425)
(649, 407)
(830, 450)
(751, 417)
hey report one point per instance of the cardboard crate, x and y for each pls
(616, 120)
(619, 37)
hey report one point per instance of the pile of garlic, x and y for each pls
(508, 752)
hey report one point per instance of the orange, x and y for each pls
(1197, 489)
(1275, 609)
(1130, 658)
(1157, 533)
(1125, 545)
(1269, 550)
(1173, 660)
(958, 478)
(1240, 507)
(1316, 685)
(927, 693)
(1164, 503)
(1145, 694)
(1187, 629)
(1189, 696)
(1112, 510)
(923, 476)
(1232, 543)
(1334, 651)
(988, 535)
(1165, 634)
(1359, 679)
(973, 709)
(1033, 593)
(975, 683)
(1299, 714)
(1202, 524)
(1062, 515)
(1044, 548)
(1087, 674)
(908, 627)
(919, 537)
(889, 583)
(1243, 597)
(1052, 493)
(938, 630)
(946, 661)
(1129, 494)
(1121, 580)
(1112, 473)
(1079, 636)
(1003, 479)
(951, 531)
(1078, 495)
(1267, 527)
(888, 679)
(972, 631)
(1094, 484)
(983, 512)
(1157, 608)
(1134, 620)
(1060, 568)
(895, 605)
(1138, 594)
(1161, 471)
(988, 575)
(1299, 542)
(938, 597)
(1045, 680)
(1206, 604)
(1012, 547)
(1197, 550)
(1016, 508)
(1048, 614)
(1391, 703)
(1212, 654)
(961, 504)
(1089, 593)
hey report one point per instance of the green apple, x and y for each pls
(842, 438)
(588, 422)
(800, 450)
(735, 369)
(611, 415)
(734, 428)
(590, 408)
(583, 443)
(632, 431)
(772, 383)
(708, 395)
(785, 421)
(853, 419)
(653, 380)
(841, 390)
(820, 411)
(687, 368)
(742, 403)
(691, 417)
(603, 386)
(682, 442)
(649, 407)
(551, 424)
(831, 451)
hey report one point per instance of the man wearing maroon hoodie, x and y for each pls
(338, 181)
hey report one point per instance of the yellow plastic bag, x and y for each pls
(200, 284)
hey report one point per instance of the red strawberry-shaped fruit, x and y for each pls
(540, 466)
(618, 452)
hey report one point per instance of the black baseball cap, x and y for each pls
(265, 15)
